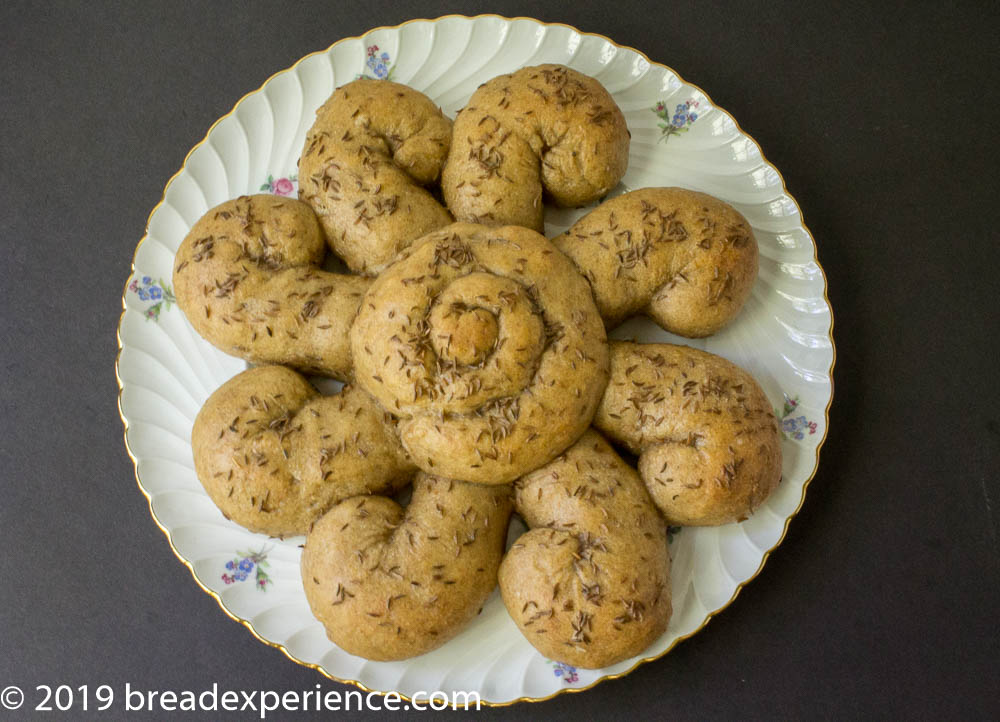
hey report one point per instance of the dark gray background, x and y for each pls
(883, 599)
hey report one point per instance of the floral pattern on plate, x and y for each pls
(283, 186)
(680, 121)
(566, 672)
(794, 427)
(378, 63)
(149, 290)
(246, 562)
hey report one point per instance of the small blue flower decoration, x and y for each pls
(378, 63)
(565, 671)
(150, 290)
(794, 427)
(245, 563)
(679, 122)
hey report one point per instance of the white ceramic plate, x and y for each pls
(166, 371)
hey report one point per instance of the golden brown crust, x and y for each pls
(589, 585)
(685, 259)
(373, 145)
(274, 455)
(390, 583)
(247, 277)
(541, 127)
(709, 446)
(487, 344)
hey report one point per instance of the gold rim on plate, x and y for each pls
(566, 690)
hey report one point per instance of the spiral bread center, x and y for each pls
(486, 343)
(463, 334)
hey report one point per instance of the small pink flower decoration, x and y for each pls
(280, 186)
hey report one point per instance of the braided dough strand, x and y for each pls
(390, 583)
(685, 259)
(589, 584)
(372, 147)
(486, 343)
(707, 439)
(274, 455)
(541, 127)
(247, 277)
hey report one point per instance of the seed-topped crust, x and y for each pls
(589, 584)
(544, 127)
(487, 345)
(480, 355)
(390, 583)
(685, 259)
(707, 439)
(247, 277)
(373, 145)
(274, 455)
